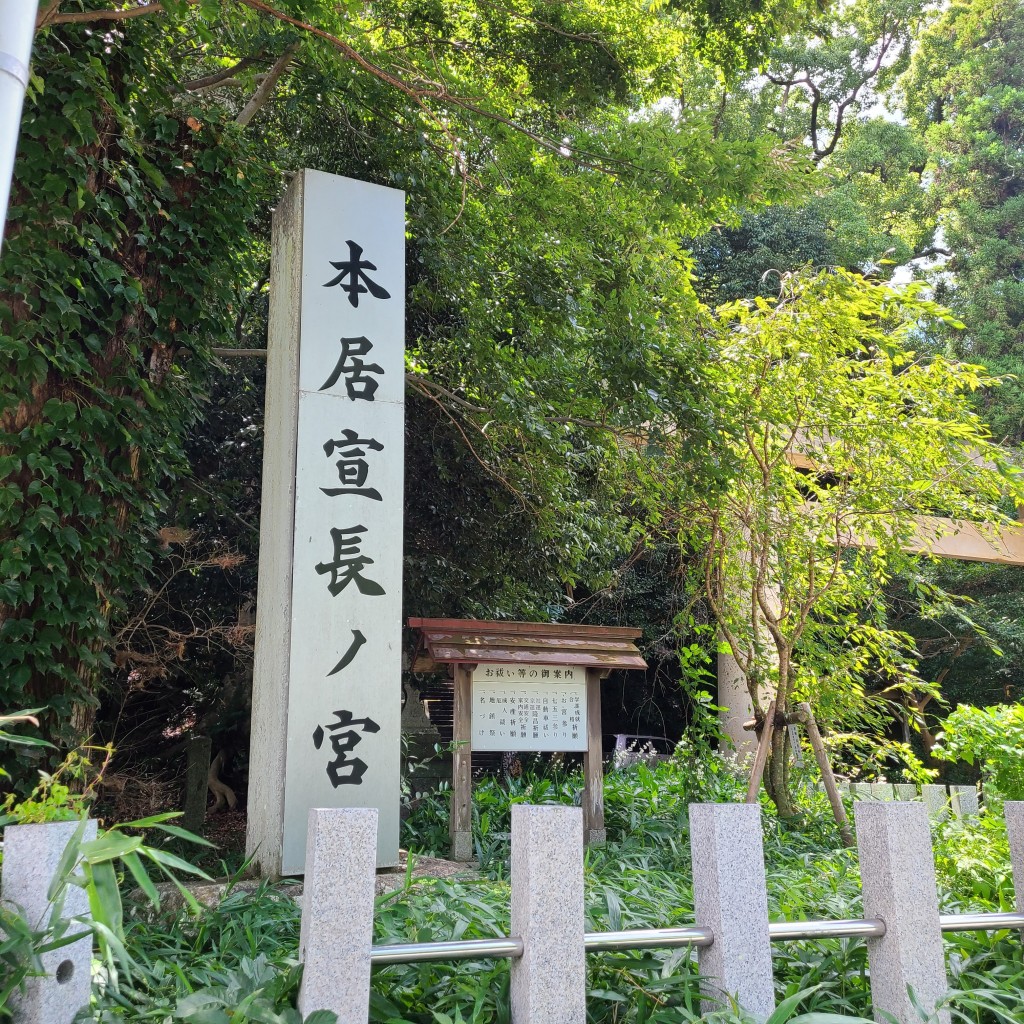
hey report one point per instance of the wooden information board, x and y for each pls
(525, 686)
(531, 708)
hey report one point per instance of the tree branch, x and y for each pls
(209, 81)
(932, 251)
(49, 15)
(266, 87)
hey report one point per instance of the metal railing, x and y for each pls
(667, 938)
(980, 922)
(785, 931)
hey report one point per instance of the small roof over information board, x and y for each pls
(478, 642)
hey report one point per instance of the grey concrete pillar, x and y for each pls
(860, 790)
(337, 912)
(882, 791)
(898, 876)
(549, 981)
(32, 854)
(965, 801)
(936, 799)
(737, 707)
(730, 898)
(1014, 811)
(906, 791)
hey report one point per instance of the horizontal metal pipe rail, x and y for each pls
(666, 938)
(851, 928)
(980, 922)
(464, 949)
(648, 938)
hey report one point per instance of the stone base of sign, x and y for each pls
(462, 846)
(31, 856)
(209, 894)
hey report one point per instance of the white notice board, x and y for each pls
(529, 707)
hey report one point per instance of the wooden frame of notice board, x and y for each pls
(525, 686)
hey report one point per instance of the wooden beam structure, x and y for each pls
(941, 537)
(965, 542)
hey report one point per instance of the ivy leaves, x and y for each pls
(120, 260)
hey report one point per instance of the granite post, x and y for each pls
(898, 876)
(882, 791)
(936, 799)
(906, 791)
(549, 981)
(337, 912)
(965, 801)
(730, 898)
(32, 854)
(1014, 812)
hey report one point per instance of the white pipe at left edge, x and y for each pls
(17, 29)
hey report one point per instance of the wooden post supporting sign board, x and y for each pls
(526, 686)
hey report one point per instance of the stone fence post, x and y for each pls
(337, 912)
(936, 799)
(898, 877)
(1014, 811)
(32, 854)
(549, 981)
(965, 801)
(730, 898)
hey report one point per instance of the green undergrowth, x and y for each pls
(640, 879)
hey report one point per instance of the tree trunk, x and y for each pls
(777, 776)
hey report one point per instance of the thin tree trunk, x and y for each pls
(827, 777)
(777, 780)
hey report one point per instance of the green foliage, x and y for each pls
(972, 860)
(992, 738)
(192, 964)
(127, 223)
(92, 865)
(545, 197)
(65, 794)
(835, 434)
(964, 93)
(249, 995)
(15, 738)
(640, 879)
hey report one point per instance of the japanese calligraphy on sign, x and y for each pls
(529, 707)
(341, 633)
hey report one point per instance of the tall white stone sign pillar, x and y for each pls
(327, 681)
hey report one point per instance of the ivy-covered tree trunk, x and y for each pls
(119, 261)
(776, 779)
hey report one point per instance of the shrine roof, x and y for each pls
(478, 642)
